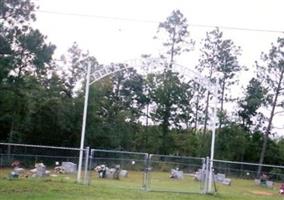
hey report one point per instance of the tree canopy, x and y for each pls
(41, 99)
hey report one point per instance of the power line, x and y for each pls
(156, 22)
(239, 28)
(98, 16)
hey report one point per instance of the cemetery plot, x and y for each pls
(118, 168)
(175, 174)
(30, 161)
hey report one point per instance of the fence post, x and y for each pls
(207, 174)
(87, 151)
(149, 171)
(203, 176)
(146, 168)
(91, 166)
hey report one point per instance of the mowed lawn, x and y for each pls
(127, 189)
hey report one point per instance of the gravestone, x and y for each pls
(221, 178)
(269, 184)
(123, 173)
(176, 174)
(199, 175)
(69, 167)
(257, 181)
(40, 169)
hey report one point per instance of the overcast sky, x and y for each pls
(119, 30)
(110, 40)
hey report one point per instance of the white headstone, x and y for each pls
(69, 167)
(175, 174)
(269, 184)
(40, 169)
(123, 173)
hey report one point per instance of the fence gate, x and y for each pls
(118, 169)
(176, 174)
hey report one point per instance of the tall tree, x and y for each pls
(228, 141)
(14, 19)
(172, 101)
(199, 94)
(208, 65)
(228, 68)
(177, 34)
(25, 60)
(170, 93)
(219, 62)
(17, 11)
(31, 57)
(147, 90)
(272, 72)
(116, 104)
(15, 29)
(253, 100)
(75, 67)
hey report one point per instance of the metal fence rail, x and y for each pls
(248, 170)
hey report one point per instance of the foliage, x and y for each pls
(176, 28)
(41, 99)
(253, 100)
(170, 94)
(271, 72)
(219, 62)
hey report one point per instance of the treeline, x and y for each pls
(41, 99)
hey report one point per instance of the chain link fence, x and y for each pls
(118, 169)
(134, 170)
(36, 161)
(177, 174)
(243, 175)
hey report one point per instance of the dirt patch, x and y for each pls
(262, 193)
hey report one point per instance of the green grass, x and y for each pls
(60, 188)
(161, 181)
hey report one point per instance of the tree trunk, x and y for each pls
(165, 130)
(207, 102)
(196, 114)
(267, 132)
(14, 121)
(172, 49)
(222, 104)
(146, 128)
(206, 113)
(10, 140)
